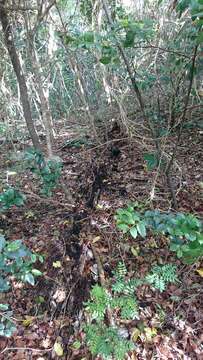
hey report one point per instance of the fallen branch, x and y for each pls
(25, 349)
(31, 195)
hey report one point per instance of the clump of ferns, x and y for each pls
(102, 334)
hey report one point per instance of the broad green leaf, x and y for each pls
(134, 250)
(36, 272)
(200, 272)
(4, 307)
(141, 229)
(76, 345)
(123, 227)
(200, 239)
(57, 264)
(133, 232)
(29, 278)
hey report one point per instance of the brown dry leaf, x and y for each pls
(46, 343)
(96, 238)
(59, 296)
(164, 352)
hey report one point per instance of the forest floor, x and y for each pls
(101, 180)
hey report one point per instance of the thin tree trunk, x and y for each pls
(9, 41)
(44, 103)
(83, 91)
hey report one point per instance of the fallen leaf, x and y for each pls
(135, 250)
(58, 349)
(97, 238)
(59, 296)
(57, 264)
(28, 321)
(200, 272)
(135, 334)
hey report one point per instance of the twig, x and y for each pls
(99, 266)
(25, 349)
(30, 194)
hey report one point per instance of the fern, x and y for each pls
(106, 342)
(127, 305)
(122, 285)
(161, 276)
(98, 304)
(121, 271)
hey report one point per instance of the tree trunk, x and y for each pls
(9, 41)
(44, 102)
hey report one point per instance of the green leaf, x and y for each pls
(4, 307)
(200, 238)
(36, 272)
(200, 38)
(29, 278)
(141, 228)
(130, 38)
(76, 345)
(151, 160)
(4, 285)
(14, 245)
(2, 242)
(133, 232)
(69, 39)
(105, 60)
(88, 37)
(123, 227)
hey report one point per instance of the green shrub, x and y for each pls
(129, 220)
(48, 171)
(11, 197)
(7, 326)
(183, 230)
(16, 260)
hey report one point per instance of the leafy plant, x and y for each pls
(121, 284)
(105, 340)
(15, 260)
(49, 171)
(161, 275)
(11, 197)
(183, 230)
(129, 220)
(7, 326)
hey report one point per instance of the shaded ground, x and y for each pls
(101, 179)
